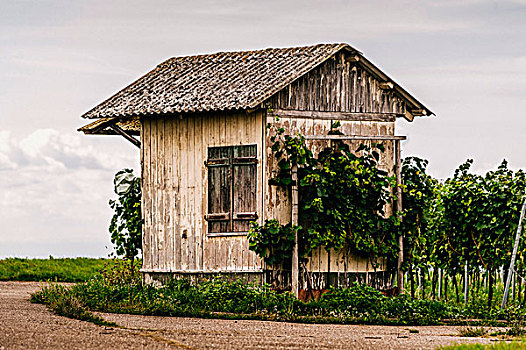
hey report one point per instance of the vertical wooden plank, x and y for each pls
(205, 120)
(145, 197)
(192, 176)
(324, 261)
(175, 155)
(168, 192)
(156, 213)
(216, 138)
(183, 175)
(200, 190)
(161, 185)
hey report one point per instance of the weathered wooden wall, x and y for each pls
(174, 185)
(338, 85)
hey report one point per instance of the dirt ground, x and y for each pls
(31, 326)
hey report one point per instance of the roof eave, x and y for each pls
(419, 108)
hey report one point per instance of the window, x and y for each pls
(232, 186)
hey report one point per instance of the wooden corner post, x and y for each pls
(398, 171)
(295, 254)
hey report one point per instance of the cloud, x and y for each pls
(54, 192)
(51, 150)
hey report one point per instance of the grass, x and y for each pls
(118, 290)
(59, 299)
(58, 270)
(470, 331)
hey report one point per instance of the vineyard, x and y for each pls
(459, 233)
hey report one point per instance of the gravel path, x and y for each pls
(31, 326)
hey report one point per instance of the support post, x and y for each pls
(511, 269)
(295, 254)
(398, 171)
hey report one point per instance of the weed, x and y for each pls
(64, 303)
(469, 331)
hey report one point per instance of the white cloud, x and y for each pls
(54, 192)
(51, 150)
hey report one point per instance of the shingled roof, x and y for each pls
(220, 81)
(224, 81)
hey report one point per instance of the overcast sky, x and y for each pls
(466, 60)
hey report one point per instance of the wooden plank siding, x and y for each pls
(338, 85)
(174, 182)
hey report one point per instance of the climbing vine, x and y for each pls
(343, 197)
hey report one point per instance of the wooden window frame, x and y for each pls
(230, 158)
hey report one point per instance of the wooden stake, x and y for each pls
(511, 269)
(439, 284)
(398, 171)
(295, 255)
(466, 282)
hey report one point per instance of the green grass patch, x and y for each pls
(497, 346)
(58, 270)
(118, 289)
(64, 303)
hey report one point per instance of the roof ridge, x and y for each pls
(288, 48)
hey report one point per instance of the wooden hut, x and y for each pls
(205, 156)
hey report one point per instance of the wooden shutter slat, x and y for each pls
(218, 217)
(217, 162)
(244, 179)
(246, 216)
(219, 188)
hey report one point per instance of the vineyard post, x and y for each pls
(513, 288)
(398, 170)
(466, 282)
(513, 255)
(295, 255)
(439, 283)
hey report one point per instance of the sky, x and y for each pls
(465, 60)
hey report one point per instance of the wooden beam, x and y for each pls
(355, 137)
(386, 85)
(410, 117)
(354, 58)
(418, 112)
(124, 134)
(96, 126)
(350, 116)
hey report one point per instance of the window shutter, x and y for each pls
(244, 182)
(219, 189)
